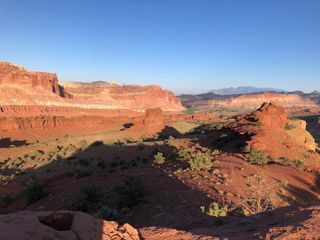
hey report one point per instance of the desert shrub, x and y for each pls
(35, 154)
(257, 157)
(289, 126)
(261, 196)
(101, 164)
(83, 143)
(258, 123)
(159, 158)
(125, 166)
(80, 172)
(203, 128)
(298, 163)
(131, 192)
(285, 161)
(57, 149)
(114, 164)
(190, 111)
(169, 142)
(108, 213)
(215, 210)
(84, 162)
(34, 191)
(200, 161)
(215, 152)
(6, 200)
(89, 196)
(182, 153)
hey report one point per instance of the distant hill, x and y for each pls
(243, 90)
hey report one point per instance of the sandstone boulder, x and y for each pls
(62, 225)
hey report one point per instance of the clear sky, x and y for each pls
(183, 45)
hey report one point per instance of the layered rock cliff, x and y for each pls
(125, 97)
(253, 101)
(30, 100)
(18, 76)
(21, 87)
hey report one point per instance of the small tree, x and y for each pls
(260, 196)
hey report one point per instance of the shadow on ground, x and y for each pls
(166, 202)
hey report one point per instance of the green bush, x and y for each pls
(298, 163)
(285, 161)
(200, 161)
(257, 157)
(34, 191)
(81, 172)
(6, 200)
(89, 196)
(215, 210)
(84, 162)
(169, 142)
(190, 111)
(101, 164)
(182, 153)
(159, 158)
(131, 192)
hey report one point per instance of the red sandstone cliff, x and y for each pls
(253, 101)
(12, 75)
(30, 100)
(125, 97)
(23, 88)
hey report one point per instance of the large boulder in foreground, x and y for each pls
(65, 225)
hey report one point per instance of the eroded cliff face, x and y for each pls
(19, 87)
(36, 100)
(127, 96)
(253, 101)
(18, 76)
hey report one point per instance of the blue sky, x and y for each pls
(182, 45)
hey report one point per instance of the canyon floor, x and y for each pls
(156, 183)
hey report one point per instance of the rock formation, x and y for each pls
(12, 75)
(62, 225)
(297, 130)
(266, 131)
(153, 119)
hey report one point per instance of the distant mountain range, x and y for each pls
(243, 90)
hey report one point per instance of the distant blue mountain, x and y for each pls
(243, 90)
